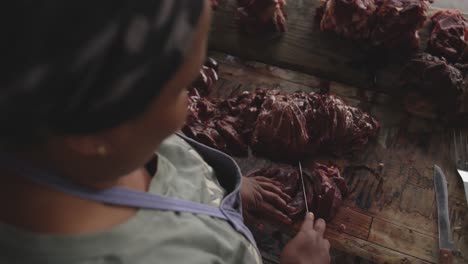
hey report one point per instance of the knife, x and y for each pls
(303, 187)
(445, 232)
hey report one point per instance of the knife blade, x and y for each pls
(445, 232)
(303, 187)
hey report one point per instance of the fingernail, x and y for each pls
(310, 214)
(292, 209)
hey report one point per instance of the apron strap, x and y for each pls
(229, 210)
(114, 195)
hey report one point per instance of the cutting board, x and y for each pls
(389, 217)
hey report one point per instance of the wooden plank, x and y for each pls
(304, 48)
(352, 223)
(368, 250)
(403, 240)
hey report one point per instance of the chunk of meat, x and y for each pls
(324, 187)
(397, 23)
(340, 128)
(449, 36)
(258, 16)
(351, 19)
(381, 23)
(207, 78)
(283, 126)
(433, 79)
(281, 129)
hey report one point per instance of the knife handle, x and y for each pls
(445, 256)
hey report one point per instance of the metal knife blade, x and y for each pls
(445, 232)
(303, 187)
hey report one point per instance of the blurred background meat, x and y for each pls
(432, 79)
(382, 23)
(449, 36)
(257, 16)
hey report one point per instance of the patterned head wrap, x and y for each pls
(84, 66)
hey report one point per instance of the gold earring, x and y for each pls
(102, 151)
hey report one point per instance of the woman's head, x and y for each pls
(99, 87)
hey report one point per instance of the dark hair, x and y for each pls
(85, 66)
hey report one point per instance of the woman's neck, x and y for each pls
(40, 209)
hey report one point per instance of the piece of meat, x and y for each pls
(433, 79)
(281, 129)
(259, 16)
(332, 190)
(206, 80)
(381, 23)
(340, 128)
(283, 126)
(397, 23)
(351, 19)
(324, 187)
(207, 134)
(449, 36)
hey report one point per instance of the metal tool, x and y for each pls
(303, 187)
(445, 232)
(461, 157)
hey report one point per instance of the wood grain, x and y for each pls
(370, 251)
(403, 240)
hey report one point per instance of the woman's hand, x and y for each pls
(262, 198)
(309, 245)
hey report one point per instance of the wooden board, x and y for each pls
(304, 48)
(391, 217)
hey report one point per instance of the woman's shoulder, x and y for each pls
(161, 236)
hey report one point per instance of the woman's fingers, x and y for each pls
(275, 189)
(268, 210)
(277, 201)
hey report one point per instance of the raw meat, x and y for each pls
(449, 36)
(397, 23)
(280, 126)
(433, 79)
(211, 125)
(324, 186)
(382, 23)
(256, 16)
(348, 18)
(340, 128)
(207, 78)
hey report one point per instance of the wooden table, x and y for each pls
(391, 217)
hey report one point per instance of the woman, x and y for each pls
(89, 91)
